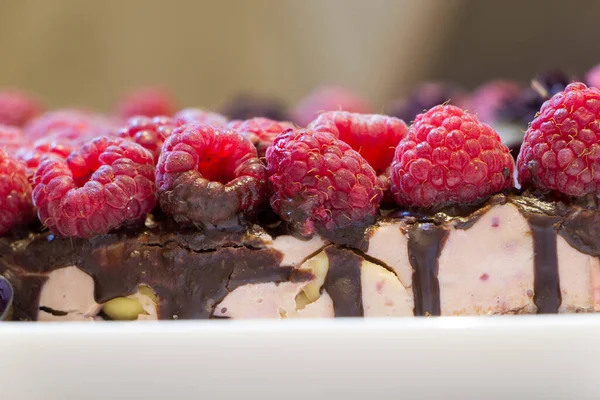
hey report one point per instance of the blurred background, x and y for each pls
(72, 52)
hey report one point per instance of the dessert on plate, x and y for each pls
(354, 215)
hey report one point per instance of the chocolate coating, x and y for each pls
(343, 282)
(425, 244)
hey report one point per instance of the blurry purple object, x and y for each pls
(247, 106)
(425, 96)
(6, 298)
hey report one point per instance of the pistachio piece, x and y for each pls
(131, 307)
(318, 266)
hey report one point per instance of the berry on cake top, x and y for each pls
(147, 102)
(449, 157)
(107, 183)
(373, 136)
(17, 107)
(319, 183)
(150, 133)
(561, 149)
(261, 131)
(328, 98)
(208, 176)
(197, 115)
(15, 194)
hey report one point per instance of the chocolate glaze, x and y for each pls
(190, 272)
(546, 287)
(343, 282)
(581, 230)
(425, 243)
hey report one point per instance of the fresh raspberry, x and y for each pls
(248, 106)
(107, 183)
(150, 133)
(15, 194)
(328, 98)
(74, 125)
(17, 108)
(51, 146)
(260, 131)
(374, 136)
(147, 102)
(449, 157)
(561, 150)
(425, 96)
(319, 183)
(12, 139)
(193, 115)
(491, 97)
(208, 175)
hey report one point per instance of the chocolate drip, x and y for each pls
(425, 243)
(190, 272)
(546, 284)
(343, 282)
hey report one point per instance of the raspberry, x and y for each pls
(247, 106)
(260, 131)
(17, 108)
(449, 157)
(208, 175)
(374, 136)
(107, 183)
(12, 139)
(561, 149)
(192, 115)
(150, 133)
(328, 99)
(425, 96)
(15, 194)
(147, 102)
(74, 125)
(50, 146)
(320, 183)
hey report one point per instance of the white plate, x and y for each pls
(509, 357)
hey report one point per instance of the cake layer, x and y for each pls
(514, 254)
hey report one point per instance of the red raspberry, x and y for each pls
(329, 98)
(147, 102)
(374, 136)
(208, 175)
(561, 149)
(260, 131)
(12, 139)
(193, 115)
(320, 183)
(150, 133)
(449, 157)
(17, 108)
(74, 125)
(15, 194)
(107, 183)
(50, 146)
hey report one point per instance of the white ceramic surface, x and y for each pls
(510, 357)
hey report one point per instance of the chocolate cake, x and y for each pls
(303, 233)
